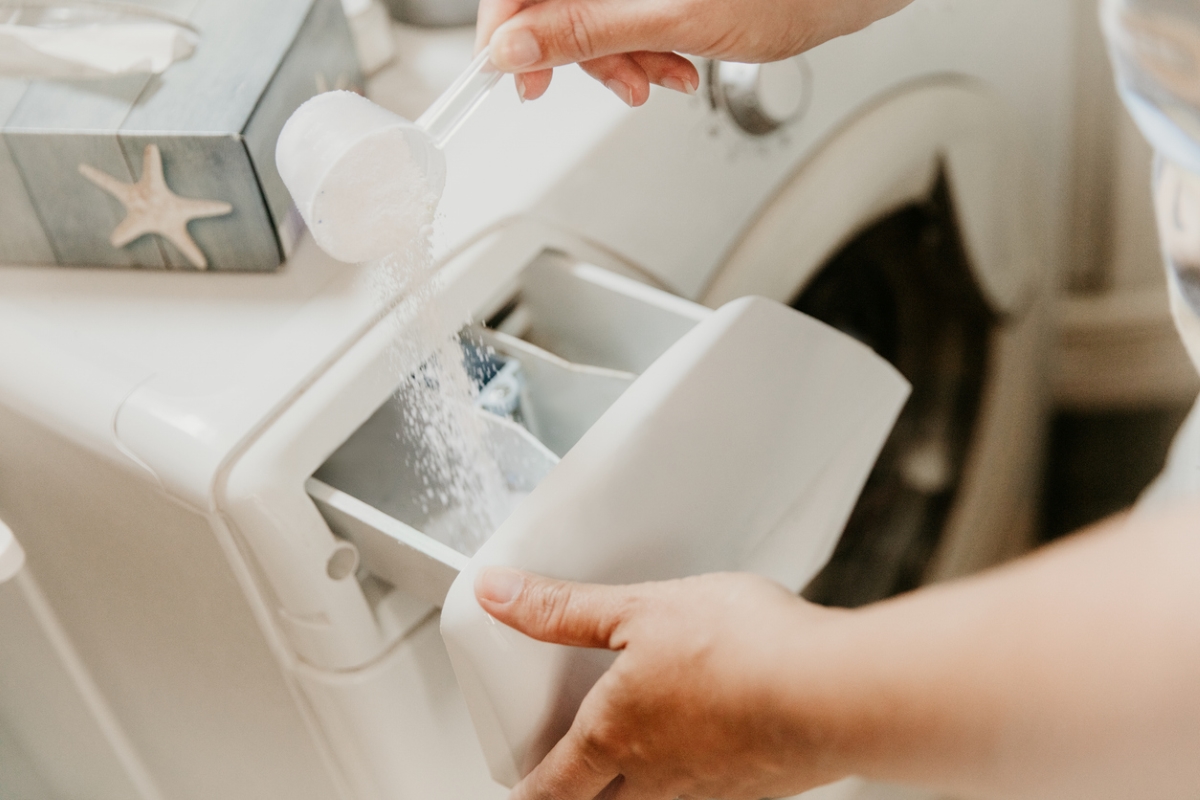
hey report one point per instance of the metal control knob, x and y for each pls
(761, 98)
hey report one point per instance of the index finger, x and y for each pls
(560, 612)
(492, 14)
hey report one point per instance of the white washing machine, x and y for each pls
(202, 629)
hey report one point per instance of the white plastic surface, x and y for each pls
(51, 711)
(782, 89)
(675, 148)
(12, 557)
(369, 490)
(893, 155)
(365, 492)
(743, 447)
(371, 28)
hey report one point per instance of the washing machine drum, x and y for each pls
(904, 288)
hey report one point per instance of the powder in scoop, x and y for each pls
(357, 216)
(465, 496)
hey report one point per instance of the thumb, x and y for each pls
(560, 612)
(558, 32)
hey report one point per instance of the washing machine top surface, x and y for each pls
(667, 189)
(206, 354)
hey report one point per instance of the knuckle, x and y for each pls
(567, 612)
(627, 609)
(552, 606)
(575, 34)
(596, 747)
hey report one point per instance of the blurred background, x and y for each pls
(1122, 381)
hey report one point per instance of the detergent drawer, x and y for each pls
(742, 448)
(643, 438)
(560, 347)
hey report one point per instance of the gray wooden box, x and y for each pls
(213, 119)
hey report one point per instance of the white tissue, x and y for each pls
(101, 50)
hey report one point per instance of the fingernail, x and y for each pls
(515, 49)
(520, 82)
(621, 90)
(677, 85)
(499, 585)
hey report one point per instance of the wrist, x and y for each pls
(870, 694)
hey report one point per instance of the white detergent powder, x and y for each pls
(367, 183)
(465, 496)
(450, 525)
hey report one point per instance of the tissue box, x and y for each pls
(174, 170)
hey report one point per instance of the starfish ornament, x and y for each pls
(151, 207)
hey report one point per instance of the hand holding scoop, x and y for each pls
(366, 180)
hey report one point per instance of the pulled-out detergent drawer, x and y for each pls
(566, 343)
(654, 438)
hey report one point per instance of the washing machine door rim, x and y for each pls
(889, 156)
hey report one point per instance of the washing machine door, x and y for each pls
(914, 231)
(891, 156)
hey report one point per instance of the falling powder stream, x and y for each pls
(465, 496)
(367, 183)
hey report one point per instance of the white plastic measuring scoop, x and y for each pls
(364, 179)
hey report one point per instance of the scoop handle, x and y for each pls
(451, 110)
